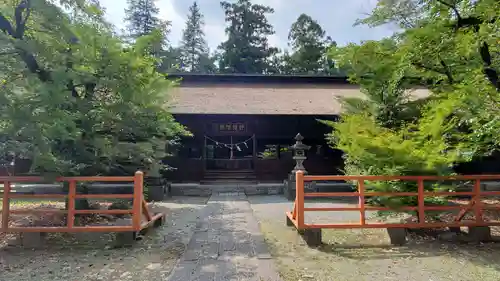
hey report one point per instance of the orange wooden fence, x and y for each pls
(476, 205)
(139, 205)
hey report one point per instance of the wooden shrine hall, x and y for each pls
(243, 125)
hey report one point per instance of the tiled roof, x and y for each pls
(303, 99)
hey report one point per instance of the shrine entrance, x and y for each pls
(229, 152)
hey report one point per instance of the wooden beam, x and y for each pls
(204, 154)
(254, 154)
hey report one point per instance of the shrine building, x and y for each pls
(243, 125)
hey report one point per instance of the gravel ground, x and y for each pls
(366, 255)
(89, 257)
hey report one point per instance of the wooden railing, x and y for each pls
(296, 216)
(139, 206)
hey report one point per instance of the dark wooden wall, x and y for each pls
(268, 129)
(263, 126)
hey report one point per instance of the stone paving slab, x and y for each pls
(227, 245)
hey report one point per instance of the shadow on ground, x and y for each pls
(92, 256)
(277, 199)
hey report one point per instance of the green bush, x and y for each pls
(371, 149)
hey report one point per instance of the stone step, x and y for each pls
(230, 175)
(230, 171)
(247, 188)
(231, 178)
(226, 183)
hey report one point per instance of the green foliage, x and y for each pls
(121, 205)
(279, 63)
(272, 152)
(142, 17)
(309, 46)
(76, 101)
(382, 75)
(246, 49)
(375, 150)
(171, 60)
(142, 20)
(452, 47)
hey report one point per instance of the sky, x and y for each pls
(335, 16)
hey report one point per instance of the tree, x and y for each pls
(246, 49)
(142, 19)
(207, 63)
(382, 74)
(170, 60)
(280, 63)
(309, 46)
(452, 47)
(447, 48)
(405, 13)
(194, 49)
(75, 101)
(379, 134)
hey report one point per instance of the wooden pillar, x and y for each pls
(204, 154)
(5, 206)
(254, 149)
(231, 152)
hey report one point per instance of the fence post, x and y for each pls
(71, 204)
(421, 201)
(138, 195)
(299, 198)
(5, 206)
(361, 190)
(477, 201)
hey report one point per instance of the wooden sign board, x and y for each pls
(231, 127)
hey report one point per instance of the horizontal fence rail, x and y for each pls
(297, 215)
(138, 211)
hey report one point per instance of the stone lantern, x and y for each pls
(299, 155)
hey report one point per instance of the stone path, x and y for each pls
(227, 245)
